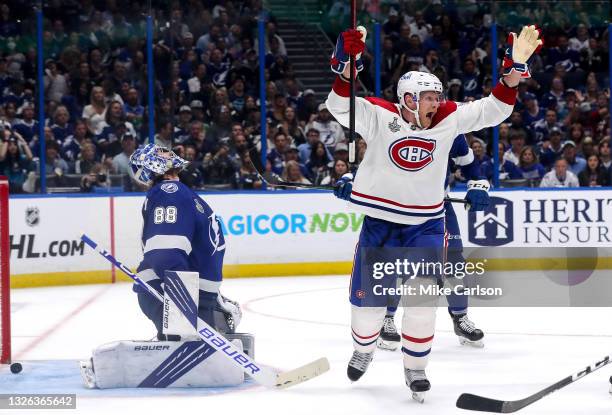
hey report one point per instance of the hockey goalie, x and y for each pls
(183, 245)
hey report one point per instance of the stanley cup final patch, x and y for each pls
(394, 126)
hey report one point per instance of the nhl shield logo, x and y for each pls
(32, 216)
(394, 126)
(412, 153)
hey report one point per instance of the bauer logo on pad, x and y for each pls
(493, 227)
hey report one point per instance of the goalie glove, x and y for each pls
(477, 195)
(344, 187)
(520, 50)
(350, 42)
(230, 308)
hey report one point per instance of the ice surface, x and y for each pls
(296, 320)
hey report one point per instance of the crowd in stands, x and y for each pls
(559, 133)
(207, 104)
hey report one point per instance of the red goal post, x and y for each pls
(5, 278)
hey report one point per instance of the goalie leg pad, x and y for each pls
(186, 285)
(144, 364)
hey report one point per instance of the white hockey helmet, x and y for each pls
(413, 83)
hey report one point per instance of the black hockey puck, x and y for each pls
(16, 368)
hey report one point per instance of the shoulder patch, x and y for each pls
(446, 109)
(383, 103)
(199, 206)
(169, 187)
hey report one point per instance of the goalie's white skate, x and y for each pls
(87, 373)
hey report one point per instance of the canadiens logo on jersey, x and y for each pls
(412, 153)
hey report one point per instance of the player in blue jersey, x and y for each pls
(180, 233)
(461, 156)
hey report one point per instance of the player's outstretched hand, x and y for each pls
(344, 186)
(477, 195)
(351, 42)
(520, 50)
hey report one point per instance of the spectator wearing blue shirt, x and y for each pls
(562, 55)
(72, 145)
(276, 155)
(543, 127)
(551, 149)
(61, 126)
(471, 79)
(134, 112)
(532, 113)
(507, 169)
(529, 166)
(27, 126)
(113, 128)
(555, 97)
(575, 163)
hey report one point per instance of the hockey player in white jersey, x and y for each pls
(400, 184)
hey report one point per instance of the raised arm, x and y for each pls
(350, 42)
(495, 108)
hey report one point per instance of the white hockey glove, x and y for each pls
(230, 307)
(521, 49)
(525, 44)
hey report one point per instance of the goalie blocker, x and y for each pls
(189, 362)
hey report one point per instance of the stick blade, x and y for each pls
(302, 374)
(479, 403)
(268, 177)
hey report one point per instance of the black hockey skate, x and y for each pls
(417, 381)
(467, 331)
(358, 365)
(389, 338)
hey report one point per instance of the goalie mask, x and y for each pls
(414, 83)
(151, 161)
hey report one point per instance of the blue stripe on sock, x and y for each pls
(416, 354)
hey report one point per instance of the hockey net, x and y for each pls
(5, 302)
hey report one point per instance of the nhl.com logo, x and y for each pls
(412, 153)
(494, 226)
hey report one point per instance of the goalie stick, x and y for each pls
(480, 403)
(272, 179)
(212, 337)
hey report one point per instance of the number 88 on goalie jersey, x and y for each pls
(180, 233)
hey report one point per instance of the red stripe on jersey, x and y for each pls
(505, 94)
(417, 339)
(444, 110)
(341, 87)
(366, 337)
(392, 202)
(383, 104)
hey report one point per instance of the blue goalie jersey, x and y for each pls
(180, 233)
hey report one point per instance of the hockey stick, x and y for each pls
(480, 403)
(274, 180)
(262, 375)
(351, 143)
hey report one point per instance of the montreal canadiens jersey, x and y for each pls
(180, 233)
(401, 178)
